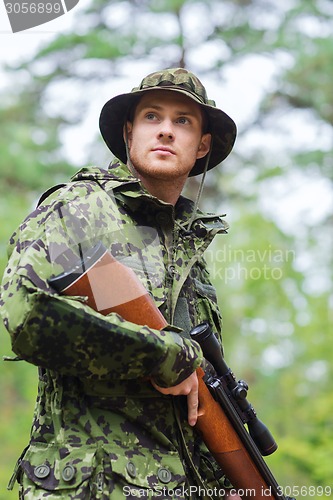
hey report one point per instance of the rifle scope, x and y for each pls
(237, 391)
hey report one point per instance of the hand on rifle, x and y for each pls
(189, 388)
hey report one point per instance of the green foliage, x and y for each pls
(313, 64)
(18, 383)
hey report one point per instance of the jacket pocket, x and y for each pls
(142, 473)
(54, 473)
(85, 473)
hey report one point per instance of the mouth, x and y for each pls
(163, 150)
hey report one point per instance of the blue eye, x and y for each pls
(182, 120)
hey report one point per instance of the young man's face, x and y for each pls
(166, 138)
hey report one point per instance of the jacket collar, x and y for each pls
(130, 191)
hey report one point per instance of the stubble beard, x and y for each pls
(158, 169)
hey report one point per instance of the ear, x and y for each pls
(204, 145)
(127, 133)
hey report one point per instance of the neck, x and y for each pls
(167, 191)
(164, 189)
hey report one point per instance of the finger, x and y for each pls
(192, 407)
(163, 390)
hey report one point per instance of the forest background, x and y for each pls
(270, 66)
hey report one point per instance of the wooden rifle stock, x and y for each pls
(110, 286)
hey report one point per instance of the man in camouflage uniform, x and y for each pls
(117, 402)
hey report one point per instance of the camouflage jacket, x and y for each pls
(100, 429)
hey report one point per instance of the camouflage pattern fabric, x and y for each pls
(178, 77)
(100, 429)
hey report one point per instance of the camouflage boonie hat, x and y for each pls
(116, 111)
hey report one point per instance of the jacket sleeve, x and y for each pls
(66, 335)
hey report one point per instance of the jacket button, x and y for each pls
(131, 469)
(171, 270)
(42, 471)
(164, 475)
(68, 473)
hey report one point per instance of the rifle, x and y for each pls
(222, 400)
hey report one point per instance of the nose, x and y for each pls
(166, 130)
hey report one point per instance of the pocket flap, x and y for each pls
(152, 469)
(205, 290)
(53, 468)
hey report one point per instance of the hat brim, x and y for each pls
(116, 111)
